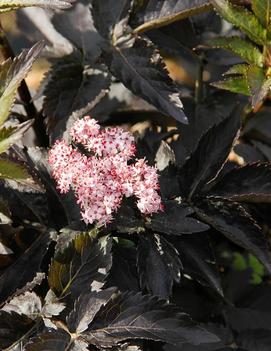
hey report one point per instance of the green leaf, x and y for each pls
(11, 75)
(240, 47)
(84, 262)
(241, 18)
(239, 69)
(10, 135)
(258, 84)
(13, 170)
(234, 84)
(9, 5)
(262, 9)
(160, 13)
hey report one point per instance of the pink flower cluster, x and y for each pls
(102, 179)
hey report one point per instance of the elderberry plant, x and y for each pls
(147, 225)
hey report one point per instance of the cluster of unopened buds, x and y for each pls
(101, 177)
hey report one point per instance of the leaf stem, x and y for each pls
(199, 81)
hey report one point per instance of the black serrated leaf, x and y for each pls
(210, 154)
(115, 20)
(199, 261)
(159, 13)
(85, 309)
(142, 70)
(25, 267)
(250, 183)
(12, 327)
(159, 265)
(175, 220)
(129, 316)
(235, 223)
(55, 340)
(73, 89)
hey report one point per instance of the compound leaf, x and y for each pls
(136, 316)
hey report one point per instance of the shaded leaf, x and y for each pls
(12, 327)
(11, 75)
(256, 340)
(25, 267)
(211, 153)
(241, 18)
(85, 309)
(81, 267)
(199, 261)
(175, 220)
(250, 183)
(73, 90)
(9, 135)
(62, 210)
(237, 85)
(8, 5)
(158, 264)
(55, 340)
(159, 13)
(234, 222)
(142, 70)
(129, 316)
(110, 23)
(77, 26)
(243, 48)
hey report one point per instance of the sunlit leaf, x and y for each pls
(237, 85)
(243, 48)
(12, 72)
(159, 13)
(241, 18)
